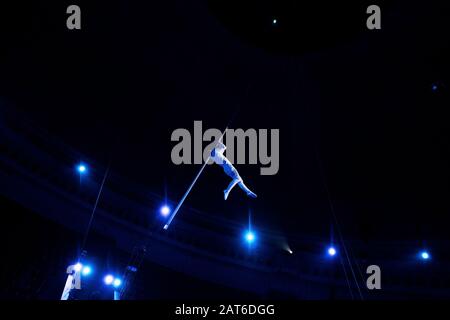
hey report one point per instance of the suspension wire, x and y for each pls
(346, 277)
(339, 232)
(347, 280)
(341, 260)
(338, 228)
(342, 241)
(94, 209)
(357, 265)
(331, 232)
(174, 213)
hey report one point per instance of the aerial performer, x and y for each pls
(218, 157)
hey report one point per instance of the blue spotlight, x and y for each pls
(117, 283)
(78, 267)
(108, 280)
(86, 271)
(81, 168)
(424, 255)
(331, 251)
(434, 87)
(249, 237)
(165, 210)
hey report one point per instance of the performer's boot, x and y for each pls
(251, 194)
(247, 190)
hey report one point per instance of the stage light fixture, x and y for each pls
(108, 280)
(165, 210)
(331, 251)
(81, 168)
(117, 283)
(86, 271)
(425, 255)
(249, 237)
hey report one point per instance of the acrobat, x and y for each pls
(218, 157)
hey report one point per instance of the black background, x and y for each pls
(358, 103)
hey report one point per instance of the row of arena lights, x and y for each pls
(109, 279)
(423, 255)
(249, 235)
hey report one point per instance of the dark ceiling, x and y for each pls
(357, 103)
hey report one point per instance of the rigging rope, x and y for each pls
(94, 209)
(338, 228)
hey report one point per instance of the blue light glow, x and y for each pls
(81, 168)
(165, 210)
(86, 271)
(425, 255)
(331, 251)
(117, 283)
(108, 280)
(249, 237)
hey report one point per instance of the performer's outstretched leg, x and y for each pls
(233, 173)
(246, 189)
(227, 191)
(240, 182)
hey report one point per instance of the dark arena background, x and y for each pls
(357, 210)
